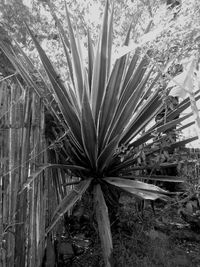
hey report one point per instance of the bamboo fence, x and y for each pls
(24, 147)
(23, 216)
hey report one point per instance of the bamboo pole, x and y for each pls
(41, 197)
(11, 177)
(22, 204)
(3, 157)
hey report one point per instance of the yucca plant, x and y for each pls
(103, 111)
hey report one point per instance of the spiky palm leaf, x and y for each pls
(103, 111)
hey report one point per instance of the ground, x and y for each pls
(160, 240)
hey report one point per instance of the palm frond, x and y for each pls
(68, 202)
(103, 221)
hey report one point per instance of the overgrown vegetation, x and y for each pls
(76, 147)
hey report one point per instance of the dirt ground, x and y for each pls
(162, 239)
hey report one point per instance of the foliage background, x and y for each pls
(174, 32)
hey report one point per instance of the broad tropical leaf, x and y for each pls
(36, 173)
(143, 190)
(90, 60)
(78, 72)
(110, 99)
(107, 154)
(101, 66)
(103, 221)
(162, 178)
(63, 98)
(68, 202)
(88, 131)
